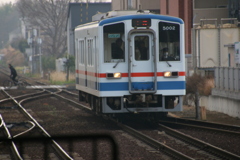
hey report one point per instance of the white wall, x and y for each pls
(223, 105)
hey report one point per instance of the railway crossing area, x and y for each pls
(39, 87)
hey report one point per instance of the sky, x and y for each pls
(7, 1)
(13, 1)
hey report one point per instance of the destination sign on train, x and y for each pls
(141, 22)
(113, 35)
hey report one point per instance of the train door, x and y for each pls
(85, 62)
(96, 62)
(142, 63)
(77, 53)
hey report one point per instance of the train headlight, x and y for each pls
(114, 75)
(170, 74)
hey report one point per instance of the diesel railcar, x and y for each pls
(131, 63)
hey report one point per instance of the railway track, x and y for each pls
(19, 152)
(57, 150)
(215, 151)
(211, 150)
(71, 100)
(201, 125)
(61, 153)
(190, 146)
(59, 94)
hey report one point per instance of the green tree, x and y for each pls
(70, 65)
(48, 62)
(22, 45)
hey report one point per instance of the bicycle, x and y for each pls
(21, 83)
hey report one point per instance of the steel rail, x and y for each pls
(1, 124)
(200, 144)
(204, 123)
(72, 101)
(13, 145)
(5, 127)
(202, 127)
(64, 90)
(22, 96)
(57, 147)
(155, 144)
(146, 139)
(33, 125)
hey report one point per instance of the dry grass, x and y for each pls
(61, 76)
(209, 84)
(13, 56)
(199, 83)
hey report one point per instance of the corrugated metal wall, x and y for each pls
(227, 78)
(208, 45)
(227, 82)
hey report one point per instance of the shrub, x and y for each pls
(196, 86)
(209, 84)
(48, 62)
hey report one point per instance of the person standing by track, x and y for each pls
(13, 74)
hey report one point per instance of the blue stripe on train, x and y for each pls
(122, 86)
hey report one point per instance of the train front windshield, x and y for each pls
(114, 45)
(169, 41)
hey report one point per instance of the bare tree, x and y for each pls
(195, 88)
(8, 22)
(50, 17)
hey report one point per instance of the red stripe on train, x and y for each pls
(143, 74)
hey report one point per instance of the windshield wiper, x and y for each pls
(116, 63)
(168, 64)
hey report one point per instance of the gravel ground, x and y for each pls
(61, 118)
(79, 123)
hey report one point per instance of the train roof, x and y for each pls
(142, 16)
(115, 16)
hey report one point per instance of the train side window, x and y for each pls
(80, 50)
(114, 47)
(90, 49)
(169, 40)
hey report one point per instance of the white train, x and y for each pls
(131, 62)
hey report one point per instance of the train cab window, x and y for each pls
(169, 40)
(114, 45)
(141, 44)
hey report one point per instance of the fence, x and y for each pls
(227, 79)
(72, 144)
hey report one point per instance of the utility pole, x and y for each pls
(35, 43)
(67, 67)
(197, 105)
(30, 43)
(35, 50)
(40, 55)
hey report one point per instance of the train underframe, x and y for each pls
(135, 103)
